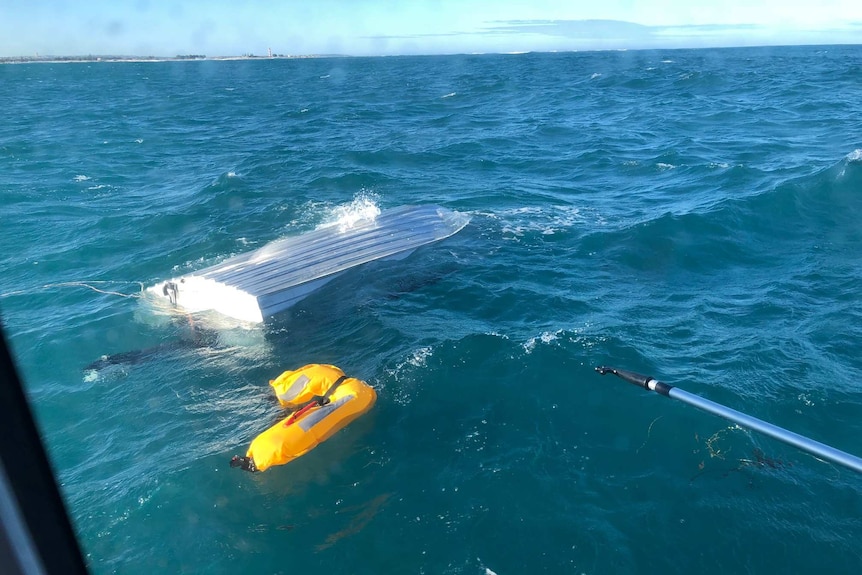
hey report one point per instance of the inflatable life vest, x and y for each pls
(325, 400)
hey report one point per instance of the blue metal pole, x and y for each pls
(815, 448)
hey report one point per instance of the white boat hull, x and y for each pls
(253, 286)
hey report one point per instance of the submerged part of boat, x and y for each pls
(255, 285)
(324, 401)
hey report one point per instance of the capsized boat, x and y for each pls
(324, 401)
(255, 285)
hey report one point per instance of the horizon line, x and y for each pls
(198, 57)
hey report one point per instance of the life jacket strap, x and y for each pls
(316, 401)
(324, 399)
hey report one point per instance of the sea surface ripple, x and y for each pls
(690, 214)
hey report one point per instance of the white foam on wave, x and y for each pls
(595, 75)
(188, 265)
(563, 336)
(405, 374)
(855, 156)
(420, 356)
(546, 338)
(449, 95)
(417, 358)
(81, 178)
(363, 208)
(546, 220)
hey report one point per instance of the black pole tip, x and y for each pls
(629, 376)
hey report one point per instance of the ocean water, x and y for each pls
(695, 215)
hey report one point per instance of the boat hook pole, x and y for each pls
(799, 441)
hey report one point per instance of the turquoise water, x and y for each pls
(694, 215)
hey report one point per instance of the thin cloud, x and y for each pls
(570, 28)
(630, 34)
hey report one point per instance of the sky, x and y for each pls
(390, 27)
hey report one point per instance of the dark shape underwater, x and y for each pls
(202, 339)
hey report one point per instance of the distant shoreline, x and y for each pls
(199, 57)
(189, 58)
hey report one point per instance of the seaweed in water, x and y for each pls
(758, 459)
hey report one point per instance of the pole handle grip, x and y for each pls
(629, 376)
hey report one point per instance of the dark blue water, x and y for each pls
(694, 215)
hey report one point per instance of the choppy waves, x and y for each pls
(691, 214)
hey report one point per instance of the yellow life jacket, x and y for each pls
(297, 387)
(306, 428)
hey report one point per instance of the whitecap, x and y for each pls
(362, 208)
(449, 95)
(487, 571)
(545, 337)
(497, 334)
(595, 75)
(516, 231)
(81, 178)
(805, 398)
(662, 166)
(855, 156)
(420, 356)
(517, 222)
(404, 374)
